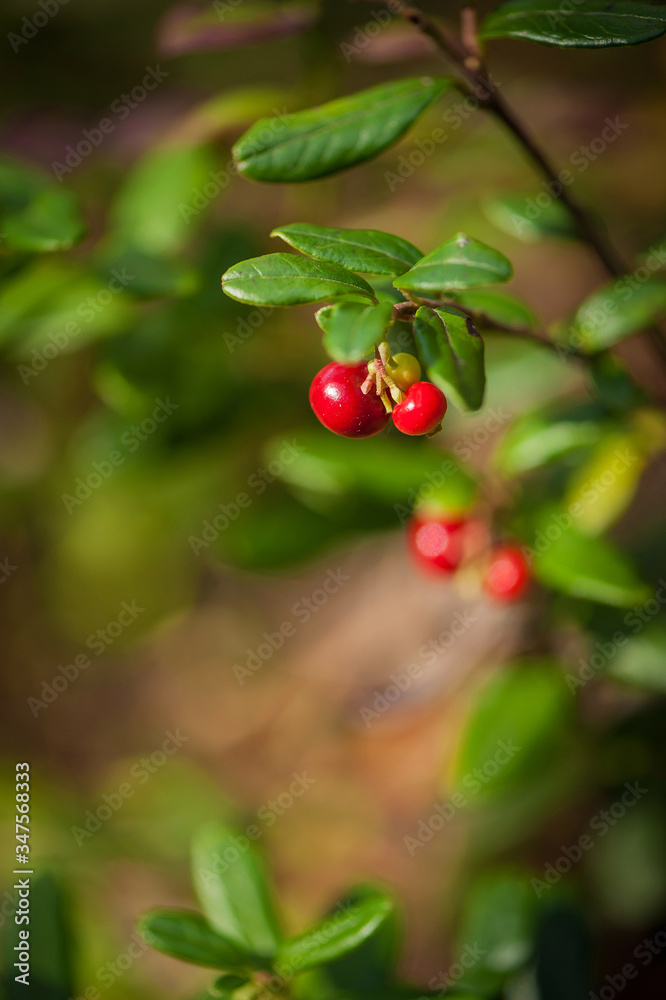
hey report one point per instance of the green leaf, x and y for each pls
(459, 263)
(157, 205)
(500, 918)
(588, 24)
(322, 140)
(537, 439)
(351, 329)
(371, 966)
(283, 279)
(152, 277)
(368, 251)
(514, 729)
(52, 947)
(498, 307)
(335, 936)
(36, 216)
(231, 887)
(452, 353)
(583, 566)
(521, 216)
(187, 935)
(642, 661)
(616, 311)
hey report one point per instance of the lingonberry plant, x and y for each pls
(405, 332)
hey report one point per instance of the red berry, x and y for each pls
(437, 544)
(422, 410)
(339, 404)
(508, 574)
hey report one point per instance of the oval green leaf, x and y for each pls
(616, 311)
(366, 250)
(452, 353)
(335, 936)
(585, 567)
(234, 894)
(520, 216)
(187, 935)
(352, 329)
(586, 24)
(283, 279)
(537, 439)
(459, 263)
(322, 140)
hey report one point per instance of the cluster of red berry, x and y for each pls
(441, 544)
(358, 400)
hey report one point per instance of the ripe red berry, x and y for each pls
(422, 409)
(508, 574)
(339, 404)
(437, 544)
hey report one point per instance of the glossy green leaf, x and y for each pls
(231, 887)
(368, 251)
(459, 263)
(51, 944)
(371, 966)
(322, 140)
(521, 216)
(499, 916)
(452, 353)
(283, 279)
(36, 215)
(352, 329)
(587, 24)
(617, 311)
(584, 567)
(187, 935)
(498, 307)
(537, 439)
(162, 198)
(335, 936)
(516, 723)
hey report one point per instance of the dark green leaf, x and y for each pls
(36, 216)
(516, 722)
(152, 277)
(498, 307)
(322, 140)
(231, 888)
(452, 353)
(51, 944)
(587, 24)
(499, 917)
(616, 311)
(283, 279)
(187, 935)
(583, 566)
(371, 966)
(368, 251)
(521, 216)
(351, 329)
(335, 936)
(226, 985)
(457, 264)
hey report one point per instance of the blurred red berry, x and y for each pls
(508, 574)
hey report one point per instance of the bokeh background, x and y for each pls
(229, 386)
